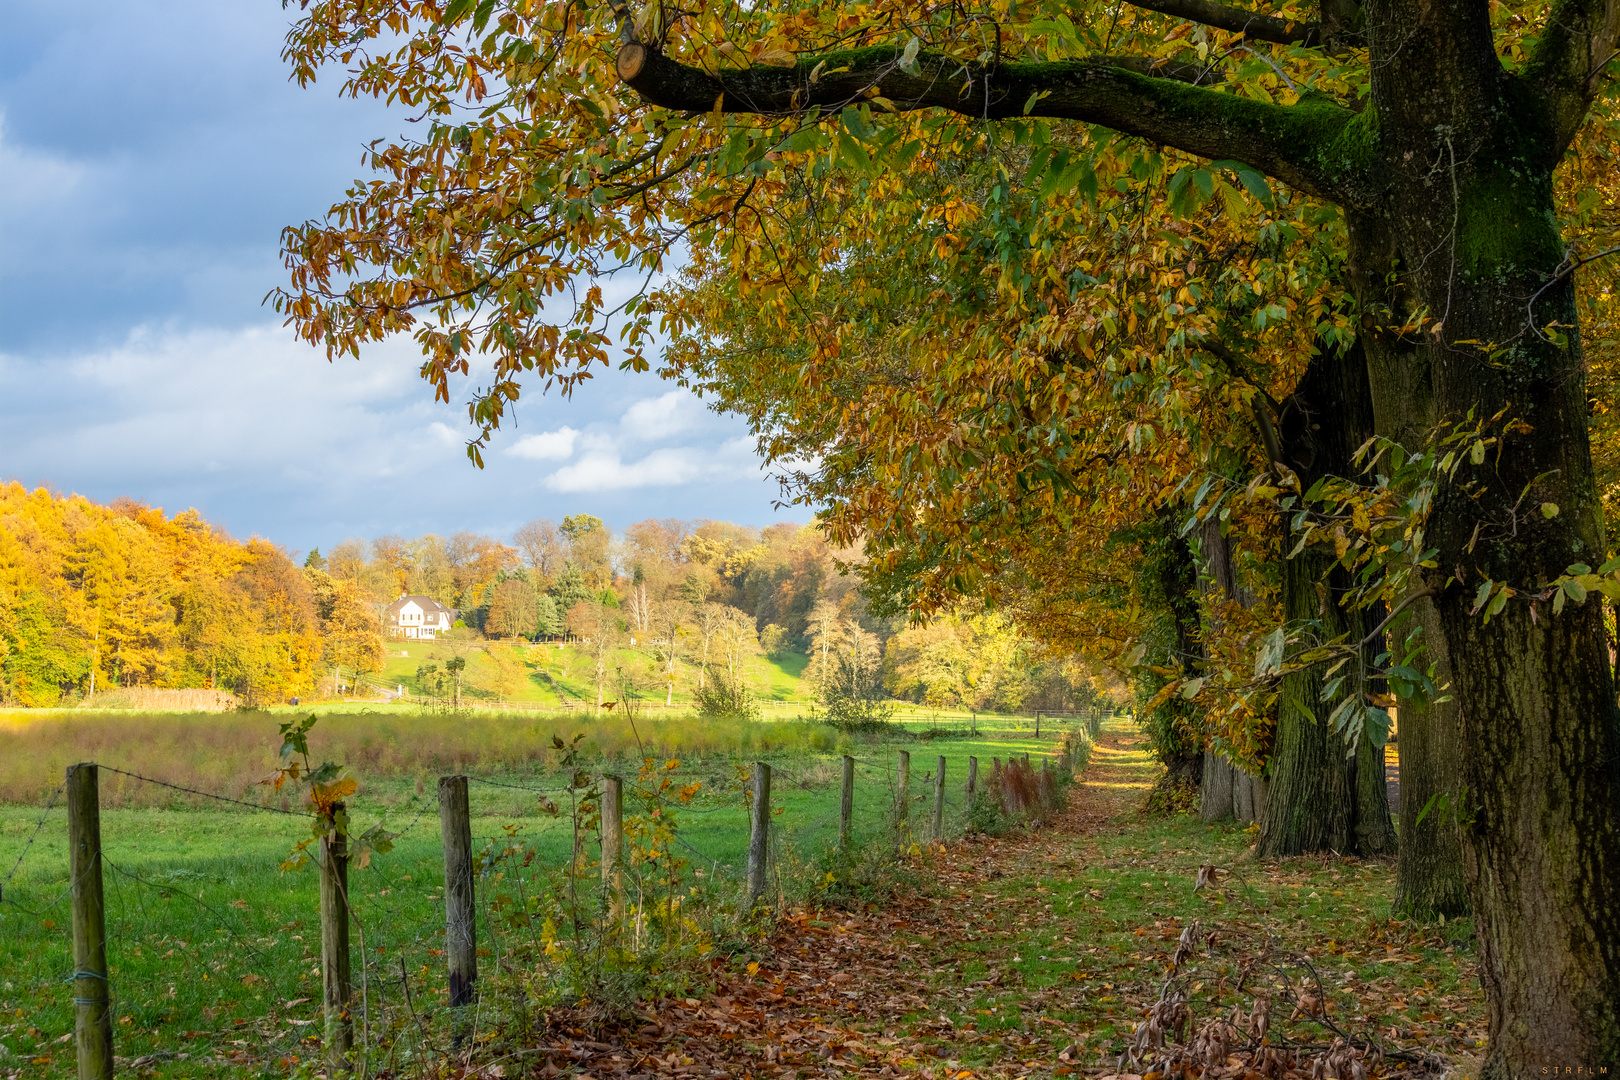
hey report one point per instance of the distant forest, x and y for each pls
(99, 598)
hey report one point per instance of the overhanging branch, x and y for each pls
(1151, 99)
(1250, 24)
(1579, 40)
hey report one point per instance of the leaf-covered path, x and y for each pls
(1038, 954)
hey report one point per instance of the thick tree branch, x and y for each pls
(1250, 24)
(1580, 38)
(1304, 145)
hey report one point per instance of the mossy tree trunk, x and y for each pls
(1323, 796)
(1462, 245)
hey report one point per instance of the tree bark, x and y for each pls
(1429, 874)
(1322, 796)
(1215, 792)
(1471, 239)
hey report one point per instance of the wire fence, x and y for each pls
(214, 937)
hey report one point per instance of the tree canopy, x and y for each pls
(1045, 271)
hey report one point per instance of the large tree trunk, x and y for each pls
(1465, 242)
(1429, 878)
(1226, 791)
(1323, 797)
(1215, 791)
(1178, 745)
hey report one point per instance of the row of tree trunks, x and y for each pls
(1228, 793)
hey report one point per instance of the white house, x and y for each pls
(417, 617)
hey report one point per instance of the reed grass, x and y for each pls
(157, 699)
(228, 754)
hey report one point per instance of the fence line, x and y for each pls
(392, 931)
(204, 794)
(40, 824)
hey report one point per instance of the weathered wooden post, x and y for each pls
(759, 834)
(973, 778)
(460, 920)
(937, 833)
(902, 799)
(846, 804)
(92, 1007)
(334, 860)
(613, 846)
(1037, 723)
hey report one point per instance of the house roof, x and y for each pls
(426, 603)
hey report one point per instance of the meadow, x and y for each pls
(214, 948)
(557, 674)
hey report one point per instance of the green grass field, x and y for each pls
(213, 949)
(550, 674)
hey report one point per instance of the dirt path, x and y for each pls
(1030, 955)
(868, 995)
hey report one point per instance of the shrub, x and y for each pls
(1017, 794)
(1074, 751)
(723, 697)
(847, 712)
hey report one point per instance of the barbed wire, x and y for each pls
(40, 824)
(515, 787)
(203, 794)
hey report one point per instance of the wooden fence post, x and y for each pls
(334, 860)
(846, 804)
(938, 831)
(92, 1007)
(1037, 723)
(902, 799)
(759, 833)
(460, 919)
(613, 845)
(973, 778)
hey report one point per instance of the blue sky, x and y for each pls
(149, 156)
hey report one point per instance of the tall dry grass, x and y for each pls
(228, 754)
(156, 699)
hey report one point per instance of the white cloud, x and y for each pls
(547, 446)
(262, 435)
(605, 472)
(36, 181)
(674, 466)
(651, 419)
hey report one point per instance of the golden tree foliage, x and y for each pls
(94, 598)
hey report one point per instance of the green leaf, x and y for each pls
(1549, 510)
(1476, 453)
(1576, 591)
(1377, 724)
(1498, 603)
(1255, 184)
(1426, 808)
(908, 56)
